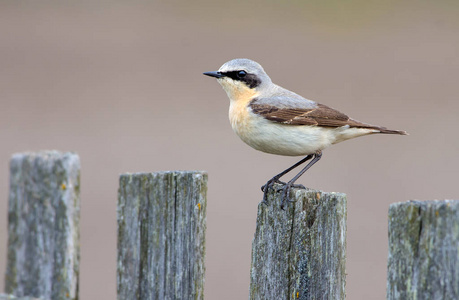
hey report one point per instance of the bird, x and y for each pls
(274, 120)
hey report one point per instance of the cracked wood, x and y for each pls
(423, 260)
(300, 253)
(161, 235)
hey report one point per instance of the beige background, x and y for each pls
(121, 85)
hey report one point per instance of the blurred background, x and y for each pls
(121, 84)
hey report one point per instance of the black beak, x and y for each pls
(214, 74)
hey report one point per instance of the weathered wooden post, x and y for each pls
(11, 297)
(43, 225)
(161, 235)
(300, 253)
(423, 250)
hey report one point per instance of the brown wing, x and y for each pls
(322, 115)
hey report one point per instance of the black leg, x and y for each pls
(276, 178)
(288, 186)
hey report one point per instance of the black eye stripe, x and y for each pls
(251, 80)
(232, 74)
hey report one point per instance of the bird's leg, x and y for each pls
(276, 178)
(290, 184)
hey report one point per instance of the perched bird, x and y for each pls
(275, 120)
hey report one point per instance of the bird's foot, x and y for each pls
(285, 188)
(299, 186)
(270, 184)
(286, 195)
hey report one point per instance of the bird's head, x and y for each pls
(241, 77)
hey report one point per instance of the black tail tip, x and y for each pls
(388, 131)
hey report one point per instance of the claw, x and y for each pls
(285, 188)
(271, 183)
(299, 186)
(286, 195)
(279, 188)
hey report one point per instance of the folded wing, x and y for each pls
(317, 115)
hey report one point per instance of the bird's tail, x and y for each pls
(389, 131)
(378, 129)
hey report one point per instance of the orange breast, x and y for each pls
(239, 115)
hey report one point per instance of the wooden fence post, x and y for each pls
(300, 253)
(43, 225)
(11, 297)
(423, 258)
(161, 235)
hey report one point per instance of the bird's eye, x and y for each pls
(241, 74)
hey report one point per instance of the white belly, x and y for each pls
(290, 140)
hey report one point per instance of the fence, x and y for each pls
(298, 253)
